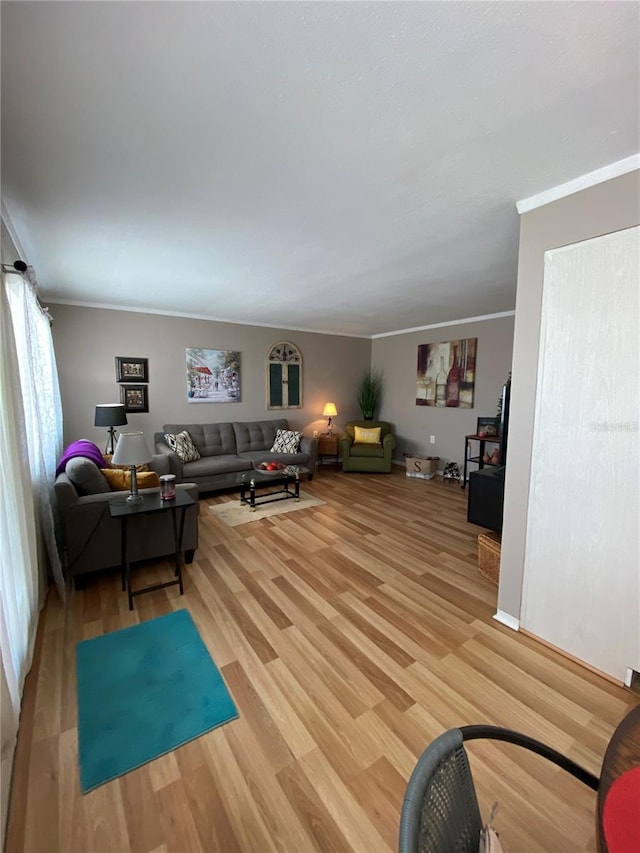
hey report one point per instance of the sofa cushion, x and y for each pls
(257, 435)
(212, 465)
(286, 441)
(182, 444)
(86, 476)
(109, 464)
(210, 439)
(367, 436)
(120, 480)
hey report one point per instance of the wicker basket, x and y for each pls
(489, 547)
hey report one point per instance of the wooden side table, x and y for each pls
(329, 445)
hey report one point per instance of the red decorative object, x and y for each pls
(621, 816)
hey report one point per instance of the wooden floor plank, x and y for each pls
(350, 635)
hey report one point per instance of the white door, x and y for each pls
(582, 563)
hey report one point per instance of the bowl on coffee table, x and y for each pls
(269, 467)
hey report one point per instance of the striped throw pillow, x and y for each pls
(183, 445)
(286, 441)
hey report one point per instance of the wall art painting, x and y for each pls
(446, 374)
(213, 376)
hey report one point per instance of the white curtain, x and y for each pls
(30, 444)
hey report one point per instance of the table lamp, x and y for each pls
(110, 415)
(132, 450)
(330, 412)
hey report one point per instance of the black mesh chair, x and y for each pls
(440, 812)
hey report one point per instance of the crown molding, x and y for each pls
(606, 173)
(445, 324)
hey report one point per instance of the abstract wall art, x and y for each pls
(446, 374)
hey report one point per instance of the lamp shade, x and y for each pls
(110, 415)
(131, 449)
(329, 410)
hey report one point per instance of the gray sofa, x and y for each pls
(227, 449)
(92, 539)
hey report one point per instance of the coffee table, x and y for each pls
(288, 479)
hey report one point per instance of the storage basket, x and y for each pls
(423, 467)
(489, 548)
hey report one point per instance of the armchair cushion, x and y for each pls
(364, 450)
(367, 436)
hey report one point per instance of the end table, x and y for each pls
(328, 445)
(151, 503)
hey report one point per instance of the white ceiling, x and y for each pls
(343, 167)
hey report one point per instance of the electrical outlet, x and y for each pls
(432, 439)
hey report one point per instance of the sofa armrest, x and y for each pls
(309, 446)
(175, 463)
(388, 443)
(160, 464)
(65, 492)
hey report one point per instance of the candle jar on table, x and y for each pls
(168, 487)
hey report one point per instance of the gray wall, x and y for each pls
(397, 357)
(599, 210)
(87, 340)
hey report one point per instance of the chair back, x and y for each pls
(440, 811)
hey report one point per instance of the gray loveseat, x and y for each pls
(92, 539)
(227, 449)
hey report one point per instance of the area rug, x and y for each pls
(143, 691)
(234, 513)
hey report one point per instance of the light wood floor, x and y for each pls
(350, 635)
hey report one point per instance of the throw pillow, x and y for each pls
(119, 480)
(109, 464)
(86, 476)
(367, 436)
(286, 441)
(183, 445)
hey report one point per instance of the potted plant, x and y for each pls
(369, 394)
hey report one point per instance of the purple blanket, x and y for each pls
(81, 448)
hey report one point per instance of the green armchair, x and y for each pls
(371, 458)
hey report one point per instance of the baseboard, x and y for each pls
(507, 619)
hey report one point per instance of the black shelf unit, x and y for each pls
(486, 485)
(478, 460)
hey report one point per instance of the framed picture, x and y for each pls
(132, 369)
(213, 375)
(490, 426)
(447, 374)
(135, 398)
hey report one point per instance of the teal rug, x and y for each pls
(142, 692)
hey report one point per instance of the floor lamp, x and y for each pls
(110, 415)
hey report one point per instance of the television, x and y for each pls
(505, 401)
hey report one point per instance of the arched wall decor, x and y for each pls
(284, 376)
